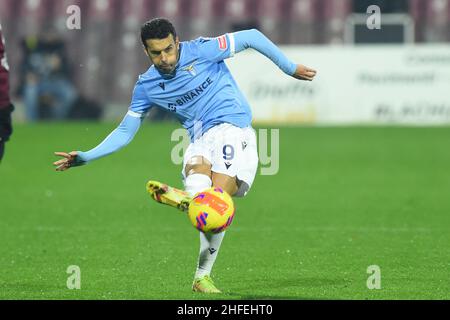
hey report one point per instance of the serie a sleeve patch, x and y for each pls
(223, 45)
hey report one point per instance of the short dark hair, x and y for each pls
(158, 28)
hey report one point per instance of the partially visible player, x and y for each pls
(6, 108)
(191, 80)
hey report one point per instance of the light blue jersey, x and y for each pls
(201, 92)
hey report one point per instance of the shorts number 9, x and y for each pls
(228, 152)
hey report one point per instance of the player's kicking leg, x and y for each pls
(168, 195)
(209, 244)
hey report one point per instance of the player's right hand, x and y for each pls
(304, 73)
(67, 161)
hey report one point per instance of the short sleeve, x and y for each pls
(140, 103)
(217, 49)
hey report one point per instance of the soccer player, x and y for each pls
(191, 80)
(5, 104)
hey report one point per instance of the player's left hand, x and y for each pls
(304, 73)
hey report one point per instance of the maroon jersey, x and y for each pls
(4, 82)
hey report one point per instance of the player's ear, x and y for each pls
(145, 50)
(177, 42)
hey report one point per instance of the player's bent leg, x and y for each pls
(168, 195)
(198, 178)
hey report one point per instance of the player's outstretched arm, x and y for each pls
(255, 39)
(118, 139)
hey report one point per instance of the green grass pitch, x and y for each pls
(343, 199)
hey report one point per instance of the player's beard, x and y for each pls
(167, 69)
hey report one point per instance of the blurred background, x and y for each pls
(89, 73)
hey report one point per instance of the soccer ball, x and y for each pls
(211, 211)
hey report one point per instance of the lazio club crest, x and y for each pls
(191, 69)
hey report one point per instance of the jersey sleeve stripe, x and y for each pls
(232, 44)
(135, 114)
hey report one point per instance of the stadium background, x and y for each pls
(345, 197)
